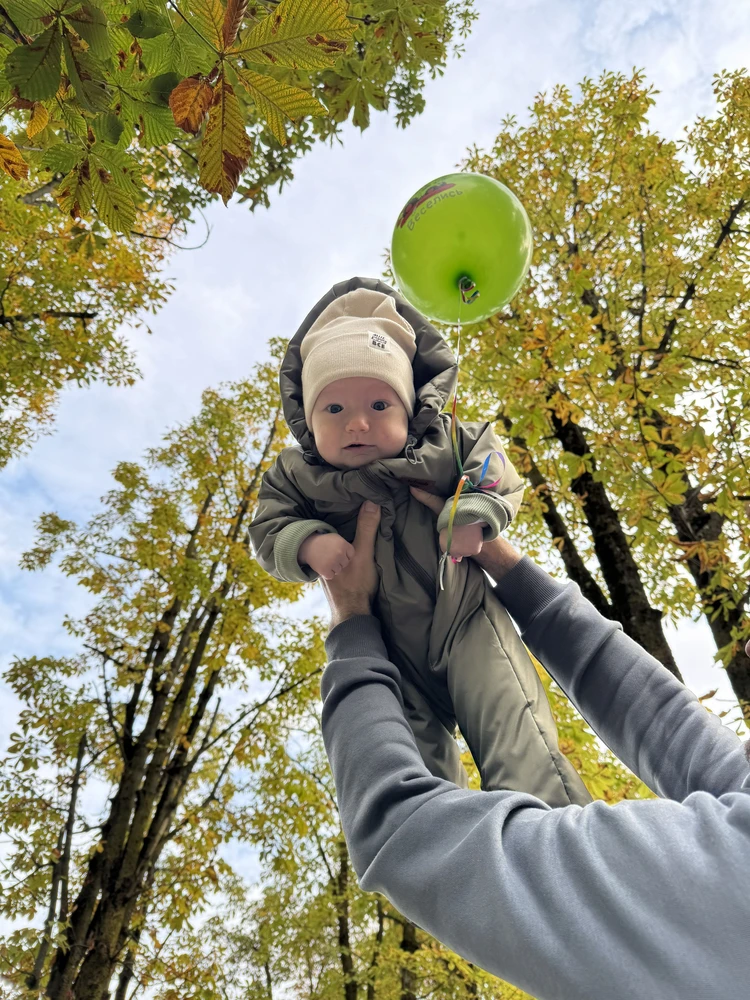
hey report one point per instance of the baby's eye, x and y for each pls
(380, 404)
(334, 407)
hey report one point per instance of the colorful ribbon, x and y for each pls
(464, 483)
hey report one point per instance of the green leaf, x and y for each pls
(300, 34)
(91, 24)
(108, 128)
(73, 118)
(113, 202)
(62, 157)
(159, 128)
(278, 101)
(74, 192)
(35, 68)
(27, 14)
(122, 166)
(190, 54)
(156, 122)
(86, 75)
(147, 24)
(160, 87)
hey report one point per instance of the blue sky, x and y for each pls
(259, 274)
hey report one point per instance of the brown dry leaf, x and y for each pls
(190, 101)
(232, 20)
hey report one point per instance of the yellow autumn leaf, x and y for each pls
(38, 120)
(209, 20)
(226, 147)
(278, 101)
(300, 34)
(11, 160)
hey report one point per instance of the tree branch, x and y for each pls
(34, 979)
(37, 196)
(65, 860)
(55, 313)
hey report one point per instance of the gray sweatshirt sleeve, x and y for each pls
(644, 898)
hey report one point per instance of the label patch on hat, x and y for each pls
(379, 342)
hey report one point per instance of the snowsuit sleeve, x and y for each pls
(284, 518)
(645, 898)
(497, 506)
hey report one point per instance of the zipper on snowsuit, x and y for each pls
(402, 554)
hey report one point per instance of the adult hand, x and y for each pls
(351, 591)
(497, 556)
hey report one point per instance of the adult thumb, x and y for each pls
(435, 504)
(368, 521)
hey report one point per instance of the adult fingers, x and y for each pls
(435, 504)
(368, 521)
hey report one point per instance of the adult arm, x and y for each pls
(646, 898)
(648, 718)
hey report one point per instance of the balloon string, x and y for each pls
(464, 483)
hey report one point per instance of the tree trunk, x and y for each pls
(33, 980)
(694, 524)
(409, 944)
(376, 951)
(574, 564)
(628, 597)
(342, 910)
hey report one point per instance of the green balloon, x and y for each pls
(461, 230)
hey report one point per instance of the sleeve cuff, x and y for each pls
(473, 507)
(286, 550)
(526, 590)
(358, 636)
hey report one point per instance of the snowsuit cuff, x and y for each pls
(526, 590)
(358, 636)
(473, 507)
(286, 550)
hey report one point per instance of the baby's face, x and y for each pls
(359, 420)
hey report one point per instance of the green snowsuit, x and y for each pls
(461, 659)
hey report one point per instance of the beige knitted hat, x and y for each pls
(359, 334)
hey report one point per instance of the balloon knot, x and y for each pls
(469, 291)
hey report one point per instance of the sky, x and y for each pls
(258, 275)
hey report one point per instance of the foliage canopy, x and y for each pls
(208, 88)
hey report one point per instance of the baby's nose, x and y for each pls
(357, 422)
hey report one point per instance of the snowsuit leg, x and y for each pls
(436, 743)
(503, 712)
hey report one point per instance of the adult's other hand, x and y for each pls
(351, 591)
(497, 556)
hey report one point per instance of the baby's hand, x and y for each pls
(466, 541)
(326, 555)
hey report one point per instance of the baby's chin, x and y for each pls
(355, 458)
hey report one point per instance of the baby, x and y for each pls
(364, 384)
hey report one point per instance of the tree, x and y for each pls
(623, 366)
(164, 711)
(185, 80)
(65, 291)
